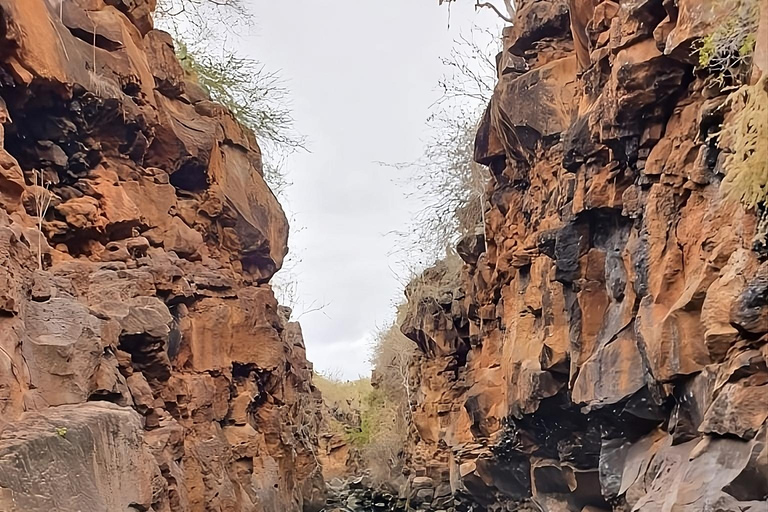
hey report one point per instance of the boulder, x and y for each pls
(39, 453)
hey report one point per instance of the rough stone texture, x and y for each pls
(77, 457)
(608, 351)
(339, 456)
(144, 361)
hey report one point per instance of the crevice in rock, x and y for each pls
(148, 355)
(191, 176)
(95, 39)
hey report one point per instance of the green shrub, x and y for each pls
(347, 398)
(727, 52)
(254, 95)
(373, 420)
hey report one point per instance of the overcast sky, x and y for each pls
(362, 75)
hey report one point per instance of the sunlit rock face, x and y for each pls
(145, 363)
(608, 351)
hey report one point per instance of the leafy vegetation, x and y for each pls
(727, 52)
(371, 424)
(347, 397)
(375, 414)
(253, 95)
(256, 96)
(386, 421)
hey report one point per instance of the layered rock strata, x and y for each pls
(145, 364)
(605, 347)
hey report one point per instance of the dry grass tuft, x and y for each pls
(746, 163)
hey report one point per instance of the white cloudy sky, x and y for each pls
(362, 76)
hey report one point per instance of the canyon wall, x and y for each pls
(605, 346)
(145, 364)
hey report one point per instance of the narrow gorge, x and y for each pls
(597, 343)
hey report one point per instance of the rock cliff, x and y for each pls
(605, 345)
(145, 364)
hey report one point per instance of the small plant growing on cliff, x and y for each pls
(727, 52)
(746, 163)
(255, 96)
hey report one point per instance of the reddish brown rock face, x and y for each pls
(608, 350)
(152, 293)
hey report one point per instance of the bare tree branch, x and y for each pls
(447, 181)
(495, 9)
(509, 5)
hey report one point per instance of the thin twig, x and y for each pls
(43, 198)
(489, 5)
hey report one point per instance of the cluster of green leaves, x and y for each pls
(374, 419)
(727, 52)
(254, 95)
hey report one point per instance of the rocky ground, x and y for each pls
(420, 494)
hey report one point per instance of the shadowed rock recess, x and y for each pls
(145, 364)
(605, 348)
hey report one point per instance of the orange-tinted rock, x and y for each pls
(617, 297)
(243, 331)
(691, 19)
(82, 440)
(147, 287)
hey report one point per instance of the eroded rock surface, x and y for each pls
(608, 351)
(144, 361)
